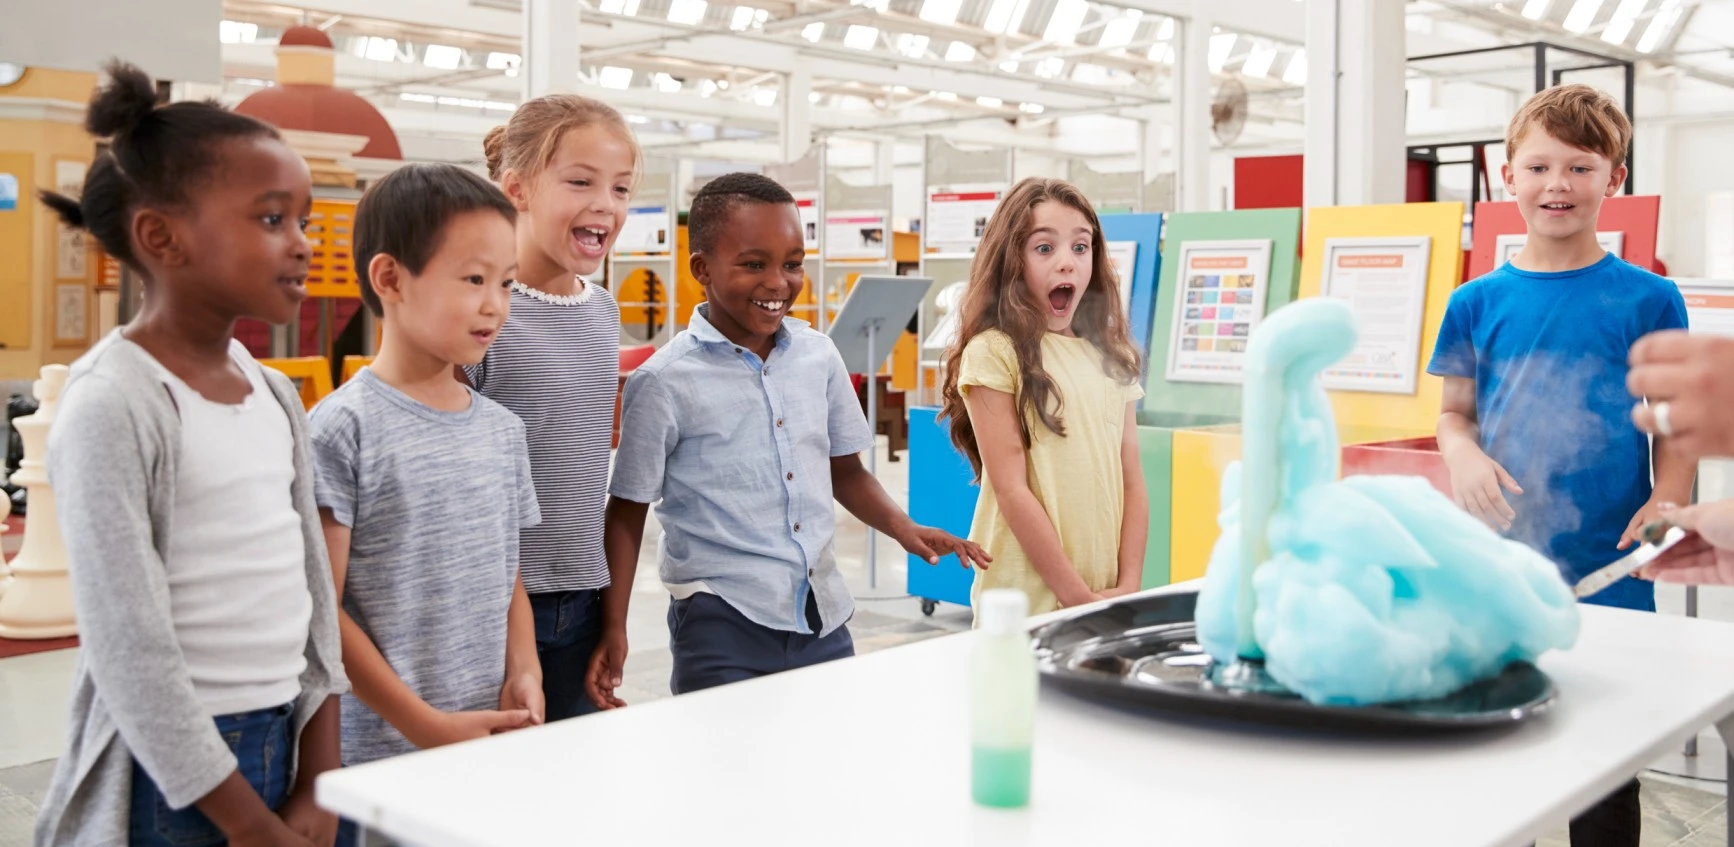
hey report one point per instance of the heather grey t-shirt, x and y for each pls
(434, 501)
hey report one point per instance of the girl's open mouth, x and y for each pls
(1060, 298)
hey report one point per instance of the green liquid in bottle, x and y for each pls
(1000, 777)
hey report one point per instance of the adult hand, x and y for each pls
(1694, 376)
(1704, 558)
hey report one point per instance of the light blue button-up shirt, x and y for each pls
(736, 454)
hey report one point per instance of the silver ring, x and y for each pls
(1663, 427)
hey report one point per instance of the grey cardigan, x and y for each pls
(112, 453)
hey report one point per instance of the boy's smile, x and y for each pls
(754, 273)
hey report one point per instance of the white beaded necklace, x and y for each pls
(583, 295)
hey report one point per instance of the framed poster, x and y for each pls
(71, 315)
(1709, 305)
(71, 252)
(1123, 255)
(957, 218)
(645, 233)
(1508, 245)
(807, 205)
(1384, 281)
(1223, 288)
(858, 235)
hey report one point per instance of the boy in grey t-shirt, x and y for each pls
(423, 484)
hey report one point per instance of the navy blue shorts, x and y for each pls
(713, 644)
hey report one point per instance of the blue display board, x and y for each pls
(940, 495)
(1147, 231)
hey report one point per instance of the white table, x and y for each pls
(875, 751)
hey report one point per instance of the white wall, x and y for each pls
(1684, 162)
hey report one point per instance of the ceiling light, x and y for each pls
(1624, 19)
(1163, 52)
(637, 119)
(235, 32)
(707, 87)
(1221, 47)
(861, 37)
(1660, 25)
(1063, 24)
(814, 97)
(1297, 69)
(765, 96)
(899, 89)
(1005, 16)
(742, 19)
(613, 77)
(1583, 13)
(613, 7)
(945, 95)
(959, 52)
(1050, 67)
(1259, 61)
(504, 61)
(442, 56)
(990, 102)
(814, 32)
(1119, 31)
(688, 12)
(407, 96)
(1010, 66)
(1030, 108)
(381, 49)
(665, 83)
(940, 11)
(1535, 10)
(1165, 32)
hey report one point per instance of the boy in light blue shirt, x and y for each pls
(743, 429)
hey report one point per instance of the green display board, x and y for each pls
(1282, 228)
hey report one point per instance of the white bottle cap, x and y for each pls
(1003, 611)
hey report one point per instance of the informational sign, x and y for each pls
(8, 193)
(956, 219)
(1123, 255)
(807, 205)
(646, 232)
(858, 235)
(1509, 245)
(1709, 305)
(1220, 299)
(1384, 280)
(70, 248)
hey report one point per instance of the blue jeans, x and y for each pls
(263, 744)
(568, 628)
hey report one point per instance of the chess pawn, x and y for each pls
(37, 602)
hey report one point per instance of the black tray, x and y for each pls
(1142, 652)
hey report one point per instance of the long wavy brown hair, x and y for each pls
(998, 298)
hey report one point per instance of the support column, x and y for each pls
(550, 45)
(795, 118)
(1355, 134)
(1192, 107)
(885, 161)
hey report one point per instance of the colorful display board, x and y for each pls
(1405, 411)
(1138, 237)
(1634, 217)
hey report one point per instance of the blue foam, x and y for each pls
(1376, 588)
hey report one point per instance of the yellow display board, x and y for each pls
(17, 283)
(331, 232)
(1406, 414)
(1200, 457)
(311, 375)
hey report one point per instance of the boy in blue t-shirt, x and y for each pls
(1536, 421)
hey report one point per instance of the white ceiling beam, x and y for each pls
(1281, 20)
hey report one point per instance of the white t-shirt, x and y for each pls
(236, 564)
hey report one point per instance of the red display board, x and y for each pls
(1268, 182)
(1635, 216)
(1409, 457)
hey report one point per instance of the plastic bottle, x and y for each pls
(1003, 685)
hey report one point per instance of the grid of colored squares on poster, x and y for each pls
(1218, 313)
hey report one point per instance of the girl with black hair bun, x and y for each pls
(205, 701)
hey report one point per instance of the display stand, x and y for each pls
(37, 599)
(855, 239)
(643, 272)
(947, 173)
(1635, 218)
(878, 308)
(805, 179)
(1142, 235)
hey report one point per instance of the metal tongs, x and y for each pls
(1656, 538)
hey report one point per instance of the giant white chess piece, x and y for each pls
(37, 602)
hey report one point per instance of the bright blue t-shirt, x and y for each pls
(1548, 354)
